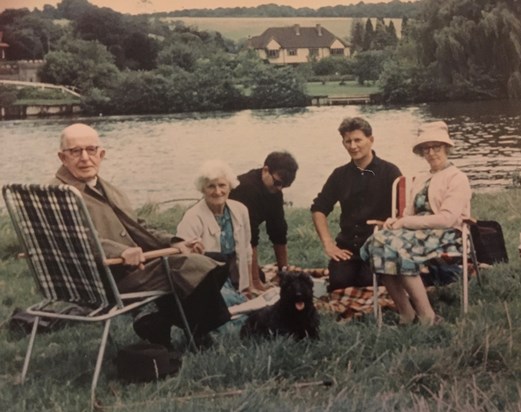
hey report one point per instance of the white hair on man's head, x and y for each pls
(214, 169)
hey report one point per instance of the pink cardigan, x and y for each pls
(449, 197)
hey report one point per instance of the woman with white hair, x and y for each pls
(221, 227)
(431, 225)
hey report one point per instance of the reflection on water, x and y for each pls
(155, 158)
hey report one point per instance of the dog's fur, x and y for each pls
(294, 314)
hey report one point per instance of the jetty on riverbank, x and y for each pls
(69, 104)
(339, 100)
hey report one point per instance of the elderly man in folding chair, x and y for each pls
(197, 278)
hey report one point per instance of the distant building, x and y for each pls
(22, 70)
(295, 44)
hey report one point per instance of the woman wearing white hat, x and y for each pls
(431, 225)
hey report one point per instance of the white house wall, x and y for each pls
(302, 56)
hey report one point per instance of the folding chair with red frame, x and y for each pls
(399, 202)
(68, 264)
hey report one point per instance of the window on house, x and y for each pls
(292, 52)
(337, 52)
(313, 52)
(273, 54)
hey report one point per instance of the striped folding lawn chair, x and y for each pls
(68, 264)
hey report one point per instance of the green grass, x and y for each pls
(349, 89)
(469, 363)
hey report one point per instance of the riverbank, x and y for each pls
(469, 362)
(322, 93)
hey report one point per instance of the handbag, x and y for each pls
(489, 242)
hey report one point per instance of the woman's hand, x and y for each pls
(190, 246)
(195, 245)
(393, 223)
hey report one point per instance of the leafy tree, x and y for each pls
(392, 38)
(140, 92)
(50, 12)
(73, 9)
(380, 36)
(181, 94)
(140, 51)
(29, 35)
(357, 36)
(103, 25)
(215, 88)
(96, 101)
(368, 35)
(329, 65)
(405, 27)
(61, 67)
(462, 49)
(10, 16)
(248, 63)
(178, 54)
(367, 65)
(277, 87)
(82, 64)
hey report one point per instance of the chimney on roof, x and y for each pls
(297, 29)
(319, 29)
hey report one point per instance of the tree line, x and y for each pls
(457, 49)
(393, 9)
(451, 49)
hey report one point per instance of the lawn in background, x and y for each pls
(349, 88)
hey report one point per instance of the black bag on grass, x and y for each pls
(489, 242)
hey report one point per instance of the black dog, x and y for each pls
(294, 314)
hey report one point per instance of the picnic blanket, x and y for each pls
(353, 302)
(346, 304)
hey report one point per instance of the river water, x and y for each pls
(155, 158)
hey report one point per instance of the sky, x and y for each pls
(150, 6)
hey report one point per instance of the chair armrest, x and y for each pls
(378, 223)
(153, 254)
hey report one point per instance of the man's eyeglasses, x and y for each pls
(277, 182)
(435, 148)
(78, 151)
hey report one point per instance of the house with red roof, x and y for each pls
(296, 44)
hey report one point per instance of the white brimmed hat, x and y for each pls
(432, 132)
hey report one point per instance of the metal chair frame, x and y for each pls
(69, 265)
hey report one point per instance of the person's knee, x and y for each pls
(347, 273)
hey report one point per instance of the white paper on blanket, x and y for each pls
(268, 298)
